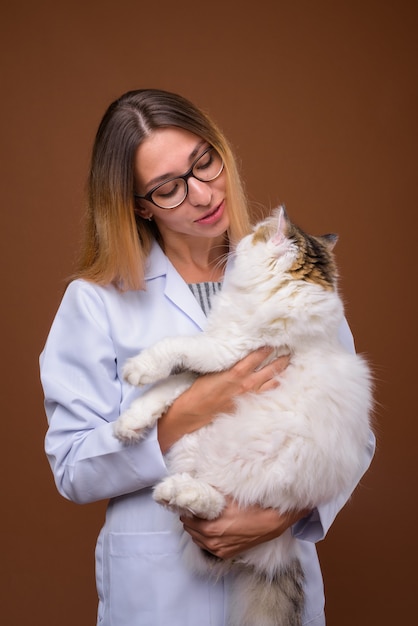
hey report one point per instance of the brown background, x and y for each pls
(320, 101)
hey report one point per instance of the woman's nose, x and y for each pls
(200, 193)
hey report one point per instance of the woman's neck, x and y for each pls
(198, 260)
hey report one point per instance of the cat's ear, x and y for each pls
(282, 226)
(330, 240)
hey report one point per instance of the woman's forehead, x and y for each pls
(166, 152)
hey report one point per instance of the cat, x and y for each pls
(291, 448)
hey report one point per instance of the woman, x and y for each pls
(165, 205)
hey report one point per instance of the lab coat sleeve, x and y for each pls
(82, 399)
(315, 526)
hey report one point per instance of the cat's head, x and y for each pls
(282, 248)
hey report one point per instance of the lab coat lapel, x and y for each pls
(176, 289)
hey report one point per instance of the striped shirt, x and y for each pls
(204, 292)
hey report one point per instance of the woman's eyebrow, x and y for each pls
(168, 175)
(196, 151)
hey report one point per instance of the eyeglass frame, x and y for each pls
(185, 177)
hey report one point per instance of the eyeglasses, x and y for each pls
(171, 193)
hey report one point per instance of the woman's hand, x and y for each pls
(214, 393)
(237, 530)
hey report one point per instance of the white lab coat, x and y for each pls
(141, 578)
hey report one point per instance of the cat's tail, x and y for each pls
(257, 600)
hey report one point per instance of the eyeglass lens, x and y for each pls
(173, 192)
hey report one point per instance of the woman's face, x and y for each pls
(170, 152)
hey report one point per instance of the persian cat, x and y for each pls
(290, 448)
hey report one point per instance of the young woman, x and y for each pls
(165, 205)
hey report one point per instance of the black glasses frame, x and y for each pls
(185, 177)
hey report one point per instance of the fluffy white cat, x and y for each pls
(290, 448)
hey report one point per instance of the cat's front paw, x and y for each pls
(130, 427)
(141, 370)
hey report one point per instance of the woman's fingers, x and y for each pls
(215, 393)
(237, 530)
(258, 371)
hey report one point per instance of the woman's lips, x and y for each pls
(213, 216)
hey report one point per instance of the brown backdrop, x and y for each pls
(320, 101)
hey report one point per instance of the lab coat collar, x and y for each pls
(176, 289)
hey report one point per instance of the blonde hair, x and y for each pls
(117, 241)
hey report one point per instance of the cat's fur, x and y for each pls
(290, 448)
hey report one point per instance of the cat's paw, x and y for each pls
(183, 493)
(130, 427)
(141, 370)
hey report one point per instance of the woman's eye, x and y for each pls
(205, 161)
(168, 190)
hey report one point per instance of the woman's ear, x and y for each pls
(142, 212)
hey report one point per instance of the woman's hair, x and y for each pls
(117, 240)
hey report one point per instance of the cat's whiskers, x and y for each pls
(222, 260)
